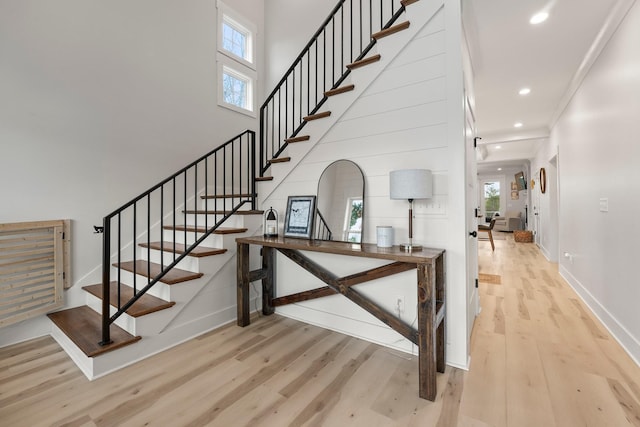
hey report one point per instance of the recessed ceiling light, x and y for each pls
(517, 125)
(499, 169)
(539, 18)
(525, 91)
(498, 147)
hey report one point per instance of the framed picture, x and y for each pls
(514, 186)
(298, 221)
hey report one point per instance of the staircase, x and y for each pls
(305, 127)
(167, 262)
(168, 256)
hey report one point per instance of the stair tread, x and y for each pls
(317, 116)
(339, 90)
(83, 326)
(391, 30)
(297, 139)
(280, 160)
(198, 252)
(406, 3)
(146, 303)
(219, 230)
(222, 212)
(226, 196)
(264, 178)
(175, 275)
(364, 61)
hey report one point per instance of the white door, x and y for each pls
(473, 307)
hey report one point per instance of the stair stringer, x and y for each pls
(418, 14)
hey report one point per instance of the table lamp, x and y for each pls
(410, 184)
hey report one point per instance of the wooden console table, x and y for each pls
(430, 335)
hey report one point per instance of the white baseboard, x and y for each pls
(628, 342)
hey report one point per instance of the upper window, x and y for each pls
(236, 61)
(236, 36)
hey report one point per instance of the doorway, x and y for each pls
(492, 197)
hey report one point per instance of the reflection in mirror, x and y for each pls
(340, 203)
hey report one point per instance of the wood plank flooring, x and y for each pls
(539, 358)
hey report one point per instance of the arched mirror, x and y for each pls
(340, 203)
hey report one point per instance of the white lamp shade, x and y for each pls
(411, 184)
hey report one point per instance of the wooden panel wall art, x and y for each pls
(34, 265)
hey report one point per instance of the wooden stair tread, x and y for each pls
(391, 30)
(83, 326)
(406, 3)
(146, 303)
(297, 139)
(219, 230)
(222, 212)
(175, 275)
(198, 252)
(364, 61)
(226, 196)
(280, 160)
(264, 178)
(339, 90)
(317, 116)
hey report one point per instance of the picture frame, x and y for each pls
(543, 180)
(299, 217)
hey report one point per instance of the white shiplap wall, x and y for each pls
(400, 121)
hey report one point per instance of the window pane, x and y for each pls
(234, 90)
(354, 229)
(233, 40)
(491, 199)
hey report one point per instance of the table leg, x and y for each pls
(243, 318)
(426, 332)
(441, 334)
(268, 283)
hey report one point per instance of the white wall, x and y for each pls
(290, 24)
(410, 117)
(101, 100)
(547, 203)
(599, 156)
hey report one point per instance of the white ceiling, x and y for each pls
(508, 53)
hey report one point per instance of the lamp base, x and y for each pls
(409, 247)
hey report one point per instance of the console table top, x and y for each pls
(365, 250)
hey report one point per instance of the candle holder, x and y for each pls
(270, 223)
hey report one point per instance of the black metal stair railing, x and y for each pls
(343, 38)
(323, 232)
(224, 177)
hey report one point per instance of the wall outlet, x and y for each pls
(399, 309)
(604, 204)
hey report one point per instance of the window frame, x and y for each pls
(225, 68)
(236, 66)
(242, 25)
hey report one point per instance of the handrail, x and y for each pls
(319, 68)
(227, 173)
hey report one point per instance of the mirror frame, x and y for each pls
(364, 208)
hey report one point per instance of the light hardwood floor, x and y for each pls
(539, 358)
